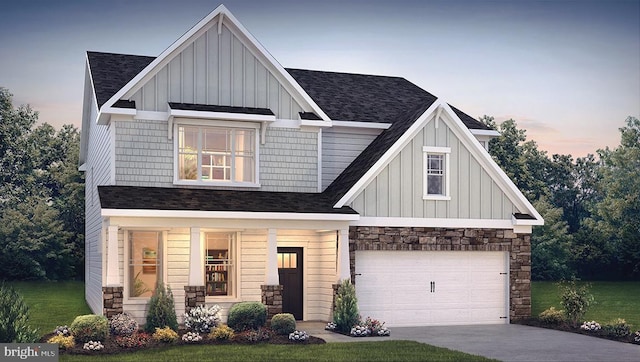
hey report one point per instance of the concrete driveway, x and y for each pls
(512, 342)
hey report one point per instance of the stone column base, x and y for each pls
(193, 296)
(272, 299)
(112, 301)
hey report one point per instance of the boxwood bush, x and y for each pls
(90, 327)
(247, 315)
(283, 323)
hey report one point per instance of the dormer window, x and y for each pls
(217, 155)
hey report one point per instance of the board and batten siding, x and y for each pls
(144, 155)
(98, 166)
(219, 70)
(397, 191)
(340, 146)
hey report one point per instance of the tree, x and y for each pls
(550, 245)
(617, 213)
(520, 159)
(41, 196)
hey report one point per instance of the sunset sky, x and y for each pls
(567, 71)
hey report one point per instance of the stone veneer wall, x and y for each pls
(272, 299)
(112, 301)
(193, 296)
(444, 239)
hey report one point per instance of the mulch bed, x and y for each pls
(533, 322)
(111, 347)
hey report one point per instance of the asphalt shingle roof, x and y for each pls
(193, 199)
(342, 96)
(110, 72)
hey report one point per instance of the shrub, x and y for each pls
(298, 336)
(617, 328)
(14, 318)
(552, 316)
(360, 331)
(90, 327)
(376, 327)
(592, 326)
(62, 331)
(135, 340)
(161, 312)
(575, 300)
(222, 333)
(202, 319)
(191, 337)
(636, 337)
(64, 342)
(166, 335)
(247, 315)
(345, 314)
(283, 323)
(256, 335)
(93, 346)
(123, 324)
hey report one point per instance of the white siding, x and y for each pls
(340, 146)
(398, 190)
(98, 171)
(319, 269)
(220, 70)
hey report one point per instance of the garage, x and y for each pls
(423, 288)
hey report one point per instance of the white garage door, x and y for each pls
(419, 288)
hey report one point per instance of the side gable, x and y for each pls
(217, 62)
(392, 186)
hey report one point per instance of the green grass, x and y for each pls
(356, 351)
(52, 304)
(613, 300)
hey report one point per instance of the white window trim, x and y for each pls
(237, 250)
(446, 151)
(222, 124)
(142, 300)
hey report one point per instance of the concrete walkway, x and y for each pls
(511, 342)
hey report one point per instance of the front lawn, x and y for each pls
(57, 303)
(52, 304)
(613, 300)
(356, 351)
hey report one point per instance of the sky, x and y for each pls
(567, 71)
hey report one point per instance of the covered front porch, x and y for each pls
(289, 262)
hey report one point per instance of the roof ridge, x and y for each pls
(347, 73)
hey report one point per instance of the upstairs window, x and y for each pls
(436, 173)
(217, 155)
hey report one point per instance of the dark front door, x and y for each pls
(290, 273)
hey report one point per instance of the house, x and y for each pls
(229, 178)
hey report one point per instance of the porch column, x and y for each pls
(344, 265)
(113, 269)
(272, 258)
(196, 259)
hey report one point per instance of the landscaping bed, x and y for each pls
(534, 322)
(112, 347)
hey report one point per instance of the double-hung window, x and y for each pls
(220, 263)
(217, 155)
(436, 173)
(145, 262)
